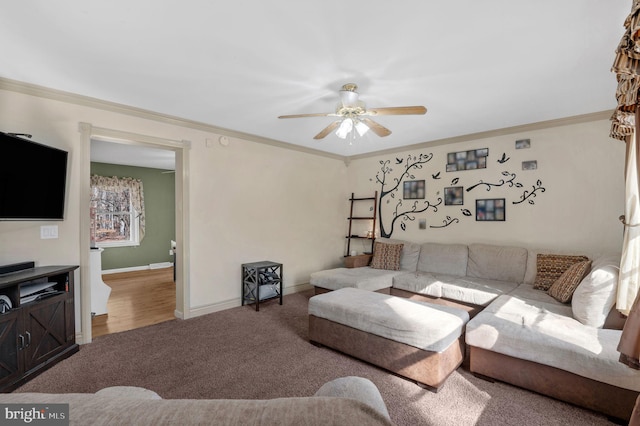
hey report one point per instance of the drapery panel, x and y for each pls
(135, 188)
(624, 120)
(629, 281)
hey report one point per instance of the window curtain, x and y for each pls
(116, 184)
(623, 127)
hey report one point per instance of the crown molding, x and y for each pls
(72, 98)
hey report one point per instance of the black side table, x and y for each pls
(261, 281)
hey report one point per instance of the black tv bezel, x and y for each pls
(63, 195)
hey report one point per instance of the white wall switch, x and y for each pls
(48, 232)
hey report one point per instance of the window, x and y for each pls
(117, 211)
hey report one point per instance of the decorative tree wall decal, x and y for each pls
(390, 187)
(501, 182)
(448, 221)
(530, 195)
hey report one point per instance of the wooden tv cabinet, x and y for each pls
(36, 334)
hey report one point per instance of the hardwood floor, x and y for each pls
(137, 299)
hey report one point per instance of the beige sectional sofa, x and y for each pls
(347, 400)
(517, 334)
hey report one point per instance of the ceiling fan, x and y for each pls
(354, 116)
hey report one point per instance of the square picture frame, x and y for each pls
(491, 210)
(454, 196)
(523, 143)
(414, 190)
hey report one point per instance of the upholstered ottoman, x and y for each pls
(417, 340)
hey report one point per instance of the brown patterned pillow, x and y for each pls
(549, 267)
(386, 256)
(562, 290)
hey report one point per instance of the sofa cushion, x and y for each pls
(419, 282)
(386, 256)
(546, 334)
(530, 274)
(562, 289)
(501, 263)
(408, 256)
(365, 278)
(448, 259)
(476, 291)
(549, 267)
(527, 292)
(596, 294)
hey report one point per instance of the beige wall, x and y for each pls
(252, 201)
(248, 201)
(580, 168)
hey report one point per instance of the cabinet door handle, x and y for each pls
(28, 339)
(21, 346)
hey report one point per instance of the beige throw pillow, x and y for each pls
(386, 256)
(549, 267)
(562, 290)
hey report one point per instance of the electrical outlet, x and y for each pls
(48, 232)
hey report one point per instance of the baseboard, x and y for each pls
(235, 302)
(137, 268)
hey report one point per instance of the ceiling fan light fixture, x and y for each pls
(345, 128)
(349, 99)
(361, 128)
(348, 95)
(353, 116)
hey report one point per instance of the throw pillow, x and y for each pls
(562, 290)
(549, 267)
(386, 256)
(596, 295)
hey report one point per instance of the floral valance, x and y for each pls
(627, 68)
(120, 184)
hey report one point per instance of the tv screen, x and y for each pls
(32, 180)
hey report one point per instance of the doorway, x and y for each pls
(131, 257)
(133, 141)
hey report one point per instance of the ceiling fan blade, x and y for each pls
(378, 129)
(330, 128)
(406, 110)
(321, 114)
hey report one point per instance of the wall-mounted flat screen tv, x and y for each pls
(33, 179)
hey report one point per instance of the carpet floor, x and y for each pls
(242, 354)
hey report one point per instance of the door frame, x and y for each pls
(88, 132)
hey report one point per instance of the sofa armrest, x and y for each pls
(357, 388)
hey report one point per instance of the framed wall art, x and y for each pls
(414, 190)
(530, 165)
(523, 143)
(490, 209)
(453, 196)
(467, 160)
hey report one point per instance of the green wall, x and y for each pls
(159, 201)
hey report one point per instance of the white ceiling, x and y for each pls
(475, 65)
